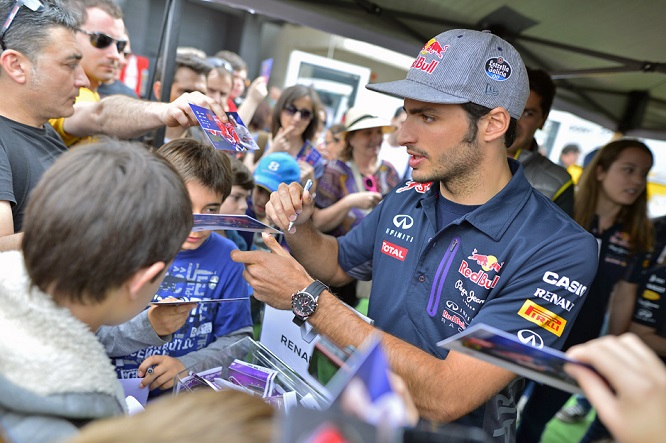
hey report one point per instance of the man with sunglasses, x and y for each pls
(40, 79)
(101, 38)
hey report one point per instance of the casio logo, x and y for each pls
(530, 338)
(403, 221)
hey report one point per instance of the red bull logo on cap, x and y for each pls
(433, 47)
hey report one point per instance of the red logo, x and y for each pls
(421, 188)
(420, 63)
(454, 319)
(433, 47)
(394, 251)
(487, 262)
(480, 277)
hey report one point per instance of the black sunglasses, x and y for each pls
(33, 5)
(100, 40)
(217, 62)
(306, 114)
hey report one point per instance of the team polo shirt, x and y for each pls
(517, 263)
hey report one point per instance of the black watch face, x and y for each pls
(303, 304)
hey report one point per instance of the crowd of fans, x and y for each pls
(447, 212)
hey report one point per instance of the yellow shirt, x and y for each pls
(85, 95)
(575, 171)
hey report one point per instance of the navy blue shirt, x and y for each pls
(517, 263)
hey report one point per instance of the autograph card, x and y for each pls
(369, 364)
(266, 67)
(245, 139)
(214, 222)
(224, 136)
(543, 364)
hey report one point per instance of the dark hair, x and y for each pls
(288, 97)
(570, 148)
(189, 61)
(261, 116)
(241, 175)
(542, 84)
(337, 129)
(199, 162)
(109, 6)
(634, 218)
(30, 32)
(99, 215)
(234, 60)
(398, 112)
(475, 112)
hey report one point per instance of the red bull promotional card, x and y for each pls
(230, 136)
(517, 353)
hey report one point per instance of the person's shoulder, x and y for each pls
(87, 95)
(551, 169)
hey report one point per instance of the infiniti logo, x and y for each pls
(403, 221)
(451, 305)
(530, 338)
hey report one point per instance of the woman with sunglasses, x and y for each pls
(354, 183)
(293, 124)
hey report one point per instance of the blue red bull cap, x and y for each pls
(461, 66)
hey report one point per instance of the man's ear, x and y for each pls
(16, 65)
(144, 276)
(157, 90)
(496, 124)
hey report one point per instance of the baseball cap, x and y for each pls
(356, 119)
(276, 168)
(462, 65)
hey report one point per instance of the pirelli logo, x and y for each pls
(537, 314)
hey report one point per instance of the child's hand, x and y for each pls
(164, 370)
(168, 319)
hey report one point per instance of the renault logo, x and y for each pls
(530, 338)
(403, 221)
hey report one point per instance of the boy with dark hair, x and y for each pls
(242, 185)
(202, 270)
(94, 252)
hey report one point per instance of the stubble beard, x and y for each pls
(456, 169)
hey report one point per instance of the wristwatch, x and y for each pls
(304, 302)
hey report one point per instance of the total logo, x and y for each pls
(531, 338)
(394, 251)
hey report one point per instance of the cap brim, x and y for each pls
(267, 186)
(416, 91)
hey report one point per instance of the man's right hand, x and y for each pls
(167, 319)
(290, 203)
